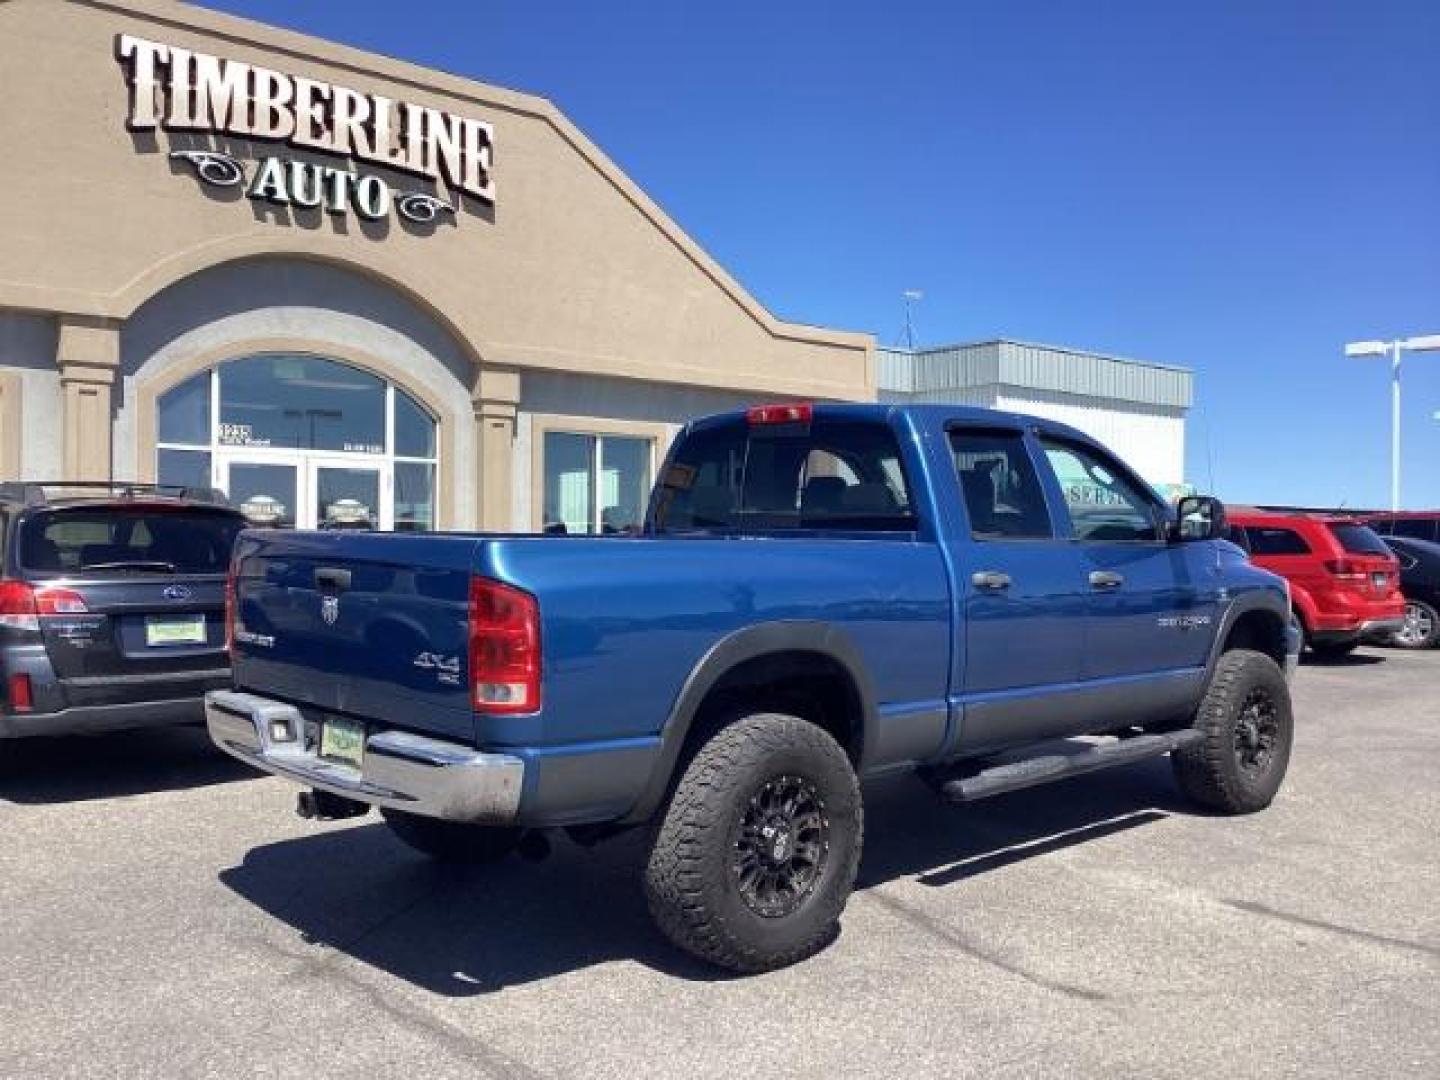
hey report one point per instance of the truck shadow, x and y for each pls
(358, 891)
(75, 768)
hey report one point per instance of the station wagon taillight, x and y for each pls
(21, 697)
(504, 648)
(22, 604)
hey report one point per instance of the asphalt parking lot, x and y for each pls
(163, 912)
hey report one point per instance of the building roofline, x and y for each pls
(1067, 349)
(309, 49)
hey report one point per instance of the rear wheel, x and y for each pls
(1421, 629)
(1248, 730)
(757, 852)
(452, 841)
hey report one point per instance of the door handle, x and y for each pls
(1106, 579)
(990, 579)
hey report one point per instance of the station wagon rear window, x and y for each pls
(91, 540)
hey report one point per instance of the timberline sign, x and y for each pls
(180, 89)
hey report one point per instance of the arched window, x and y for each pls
(302, 441)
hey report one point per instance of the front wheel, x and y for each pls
(452, 841)
(1421, 629)
(758, 849)
(1248, 730)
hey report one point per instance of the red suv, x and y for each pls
(1344, 581)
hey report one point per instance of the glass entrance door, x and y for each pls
(266, 492)
(306, 491)
(345, 495)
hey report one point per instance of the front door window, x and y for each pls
(302, 441)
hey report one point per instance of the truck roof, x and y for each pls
(926, 415)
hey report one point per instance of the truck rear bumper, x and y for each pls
(431, 777)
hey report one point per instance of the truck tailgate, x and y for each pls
(367, 625)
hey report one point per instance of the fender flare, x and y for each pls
(749, 643)
(1244, 604)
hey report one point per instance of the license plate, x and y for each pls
(175, 630)
(342, 740)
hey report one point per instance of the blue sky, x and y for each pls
(1238, 186)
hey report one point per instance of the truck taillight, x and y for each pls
(230, 612)
(504, 648)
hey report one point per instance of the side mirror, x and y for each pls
(1198, 517)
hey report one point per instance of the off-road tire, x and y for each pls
(1425, 616)
(1214, 772)
(452, 841)
(695, 877)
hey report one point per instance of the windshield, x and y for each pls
(104, 540)
(1359, 540)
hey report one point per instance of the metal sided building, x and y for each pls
(1135, 407)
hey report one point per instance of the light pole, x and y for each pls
(1393, 349)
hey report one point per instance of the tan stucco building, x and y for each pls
(339, 286)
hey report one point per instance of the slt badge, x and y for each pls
(330, 609)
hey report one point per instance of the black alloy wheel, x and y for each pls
(782, 846)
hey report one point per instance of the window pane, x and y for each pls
(568, 483)
(414, 496)
(624, 483)
(347, 499)
(185, 412)
(1003, 497)
(187, 468)
(1359, 540)
(1104, 504)
(831, 474)
(414, 429)
(1416, 528)
(301, 402)
(1270, 541)
(265, 494)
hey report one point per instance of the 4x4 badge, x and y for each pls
(330, 609)
(176, 592)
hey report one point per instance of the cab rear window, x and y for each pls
(828, 474)
(1359, 540)
(94, 541)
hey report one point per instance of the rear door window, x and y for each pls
(95, 541)
(835, 474)
(1273, 540)
(1359, 540)
(1001, 489)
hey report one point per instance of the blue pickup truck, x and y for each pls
(820, 595)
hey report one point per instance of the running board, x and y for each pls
(1042, 770)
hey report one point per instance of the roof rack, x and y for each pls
(51, 492)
